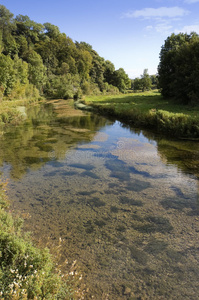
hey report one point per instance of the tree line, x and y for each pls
(38, 59)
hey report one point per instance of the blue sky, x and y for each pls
(126, 32)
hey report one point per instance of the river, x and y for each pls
(124, 201)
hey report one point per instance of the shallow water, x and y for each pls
(124, 202)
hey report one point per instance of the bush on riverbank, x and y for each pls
(150, 110)
(9, 109)
(27, 272)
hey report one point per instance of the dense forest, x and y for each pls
(37, 59)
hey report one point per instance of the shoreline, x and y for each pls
(149, 111)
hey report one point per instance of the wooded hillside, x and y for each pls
(37, 59)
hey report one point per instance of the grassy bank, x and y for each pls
(150, 110)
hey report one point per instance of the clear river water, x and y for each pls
(124, 201)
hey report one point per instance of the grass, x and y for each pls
(150, 110)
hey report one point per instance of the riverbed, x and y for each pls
(124, 201)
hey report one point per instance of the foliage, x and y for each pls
(51, 60)
(63, 86)
(28, 272)
(178, 69)
(7, 73)
(121, 80)
(36, 69)
(144, 83)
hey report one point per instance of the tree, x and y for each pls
(154, 81)
(48, 51)
(36, 69)
(49, 57)
(109, 71)
(179, 68)
(51, 30)
(84, 63)
(21, 69)
(144, 83)
(146, 80)
(7, 74)
(7, 26)
(121, 80)
(137, 84)
(28, 28)
(97, 71)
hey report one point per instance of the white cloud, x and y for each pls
(191, 1)
(163, 28)
(154, 13)
(188, 29)
(148, 28)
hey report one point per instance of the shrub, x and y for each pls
(175, 124)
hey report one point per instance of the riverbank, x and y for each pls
(150, 110)
(13, 111)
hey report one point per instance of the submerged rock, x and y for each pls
(82, 106)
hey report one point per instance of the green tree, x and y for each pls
(52, 60)
(84, 63)
(179, 69)
(7, 74)
(28, 28)
(109, 71)
(36, 69)
(7, 26)
(146, 80)
(22, 45)
(97, 71)
(51, 30)
(48, 51)
(154, 81)
(121, 80)
(21, 69)
(63, 87)
(137, 84)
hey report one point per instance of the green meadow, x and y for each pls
(150, 110)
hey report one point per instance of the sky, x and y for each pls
(126, 32)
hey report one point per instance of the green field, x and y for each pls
(150, 110)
